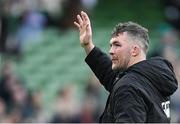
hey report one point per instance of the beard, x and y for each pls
(121, 65)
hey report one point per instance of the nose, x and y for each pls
(111, 51)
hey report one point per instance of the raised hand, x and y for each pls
(85, 31)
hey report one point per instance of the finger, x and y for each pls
(88, 28)
(79, 20)
(76, 24)
(84, 16)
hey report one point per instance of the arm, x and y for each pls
(101, 64)
(98, 61)
(129, 106)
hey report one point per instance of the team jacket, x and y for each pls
(139, 94)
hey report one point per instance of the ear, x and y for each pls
(135, 51)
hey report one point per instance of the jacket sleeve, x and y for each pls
(129, 106)
(101, 64)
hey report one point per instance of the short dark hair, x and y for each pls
(135, 31)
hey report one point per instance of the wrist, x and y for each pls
(88, 47)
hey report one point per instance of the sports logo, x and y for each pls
(166, 108)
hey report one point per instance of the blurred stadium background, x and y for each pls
(43, 76)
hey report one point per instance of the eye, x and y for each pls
(117, 45)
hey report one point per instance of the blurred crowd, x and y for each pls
(18, 104)
(22, 21)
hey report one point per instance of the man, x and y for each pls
(139, 89)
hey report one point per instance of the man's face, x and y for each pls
(120, 51)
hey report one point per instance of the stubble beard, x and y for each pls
(121, 66)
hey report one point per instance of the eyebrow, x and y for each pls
(114, 42)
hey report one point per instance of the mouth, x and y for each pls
(113, 60)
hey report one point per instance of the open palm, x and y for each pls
(84, 27)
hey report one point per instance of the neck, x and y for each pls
(135, 60)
